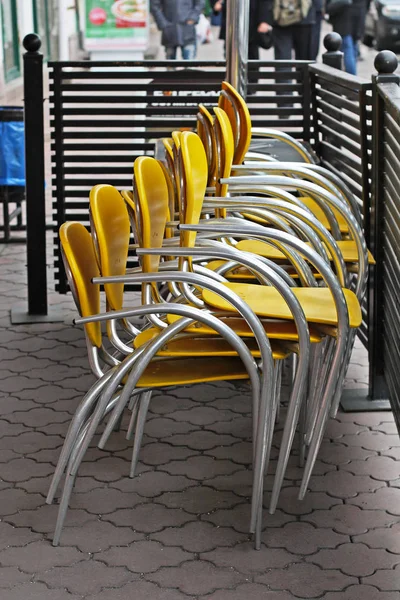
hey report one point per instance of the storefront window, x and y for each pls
(41, 24)
(10, 40)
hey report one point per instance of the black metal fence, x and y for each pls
(103, 115)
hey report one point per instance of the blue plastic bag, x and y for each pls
(12, 148)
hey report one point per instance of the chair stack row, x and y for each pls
(245, 262)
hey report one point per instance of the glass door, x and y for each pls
(10, 40)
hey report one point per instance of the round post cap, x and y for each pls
(333, 42)
(386, 62)
(32, 42)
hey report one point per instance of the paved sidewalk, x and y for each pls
(179, 529)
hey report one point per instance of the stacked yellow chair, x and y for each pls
(297, 295)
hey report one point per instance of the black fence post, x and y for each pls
(333, 57)
(35, 186)
(386, 64)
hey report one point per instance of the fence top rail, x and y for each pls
(390, 93)
(150, 64)
(335, 76)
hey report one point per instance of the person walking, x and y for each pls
(259, 10)
(177, 20)
(349, 23)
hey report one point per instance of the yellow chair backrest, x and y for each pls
(205, 130)
(112, 232)
(225, 149)
(236, 108)
(81, 266)
(194, 176)
(172, 199)
(127, 195)
(151, 197)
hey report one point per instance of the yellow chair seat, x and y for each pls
(203, 346)
(319, 213)
(162, 373)
(348, 248)
(317, 303)
(275, 330)
(242, 274)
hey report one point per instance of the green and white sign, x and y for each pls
(116, 24)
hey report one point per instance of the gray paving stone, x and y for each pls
(139, 590)
(198, 536)
(16, 536)
(43, 519)
(203, 415)
(13, 500)
(349, 519)
(342, 484)
(154, 483)
(39, 556)
(149, 518)
(382, 468)
(95, 536)
(250, 591)
(338, 454)
(102, 501)
(384, 579)
(393, 453)
(201, 468)
(305, 580)
(366, 592)
(9, 404)
(355, 559)
(144, 557)
(160, 454)
(21, 469)
(163, 428)
(246, 560)
(85, 577)
(289, 502)
(39, 417)
(38, 591)
(303, 538)
(239, 518)
(11, 576)
(200, 500)
(197, 578)
(383, 499)
(387, 538)
(202, 440)
(372, 440)
(336, 430)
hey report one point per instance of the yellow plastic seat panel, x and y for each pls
(348, 248)
(275, 330)
(317, 303)
(203, 346)
(79, 254)
(162, 373)
(320, 215)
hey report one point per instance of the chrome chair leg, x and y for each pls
(144, 402)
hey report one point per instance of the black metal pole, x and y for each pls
(333, 57)
(34, 176)
(386, 64)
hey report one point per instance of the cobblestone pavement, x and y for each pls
(179, 529)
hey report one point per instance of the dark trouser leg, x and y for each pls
(316, 36)
(283, 48)
(254, 54)
(302, 42)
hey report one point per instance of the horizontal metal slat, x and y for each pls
(349, 133)
(346, 161)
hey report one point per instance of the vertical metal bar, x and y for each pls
(237, 43)
(58, 161)
(365, 117)
(333, 57)
(34, 176)
(306, 104)
(313, 93)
